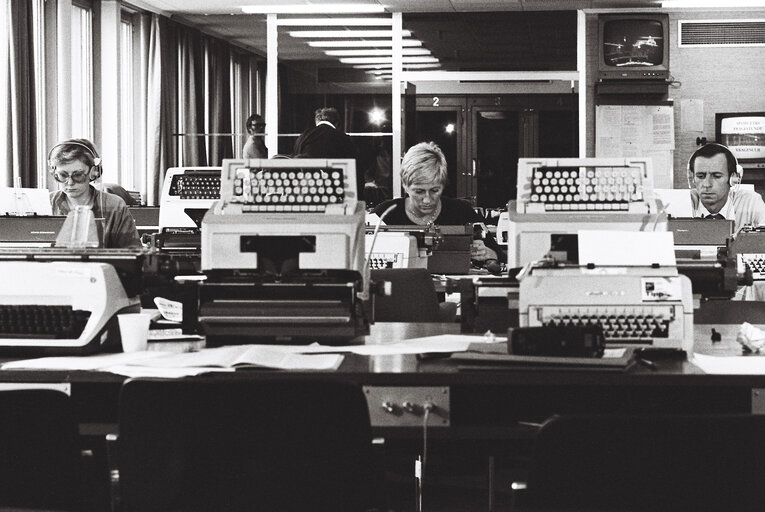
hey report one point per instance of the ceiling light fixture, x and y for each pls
(373, 52)
(334, 22)
(386, 60)
(373, 66)
(707, 4)
(346, 33)
(363, 44)
(313, 9)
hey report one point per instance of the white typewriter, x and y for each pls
(642, 305)
(562, 195)
(187, 193)
(394, 250)
(59, 307)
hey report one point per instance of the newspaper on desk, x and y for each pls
(176, 365)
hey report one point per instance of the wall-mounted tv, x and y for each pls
(633, 46)
(744, 134)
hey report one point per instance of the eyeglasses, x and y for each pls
(76, 176)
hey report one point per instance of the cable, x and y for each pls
(424, 460)
(374, 236)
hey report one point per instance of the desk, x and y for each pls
(482, 404)
(491, 413)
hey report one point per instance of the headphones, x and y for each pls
(95, 171)
(710, 149)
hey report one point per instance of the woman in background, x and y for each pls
(423, 175)
(75, 165)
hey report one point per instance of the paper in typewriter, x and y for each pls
(626, 248)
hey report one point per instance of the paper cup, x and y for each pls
(134, 331)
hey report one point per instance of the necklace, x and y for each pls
(422, 220)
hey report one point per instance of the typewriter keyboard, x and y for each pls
(756, 263)
(196, 186)
(384, 260)
(293, 190)
(588, 189)
(619, 325)
(41, 321)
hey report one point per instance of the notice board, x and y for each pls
(624, 131)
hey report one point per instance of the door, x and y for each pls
(484, 136)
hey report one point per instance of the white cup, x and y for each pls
(134, 331)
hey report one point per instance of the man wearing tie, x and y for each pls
(714, 176)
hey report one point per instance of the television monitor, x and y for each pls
(633, 46)
(744, 134)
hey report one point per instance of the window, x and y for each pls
(82, 72)
(127, 161)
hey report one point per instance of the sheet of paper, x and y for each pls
(445, 343)
(730, 365)
(676, 201)
(94, 362)
(626, 248)
(692, 115)
(267, 356)
(164, 373)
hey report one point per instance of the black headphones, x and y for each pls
(709, 149)
(95, 171)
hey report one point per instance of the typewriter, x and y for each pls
(642, 304)
(749, 250)
(283, 254)
(59, 307)
(562, 195)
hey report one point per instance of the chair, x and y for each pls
(413, 297)
(239, 444)
(642, 463)
(40, 462)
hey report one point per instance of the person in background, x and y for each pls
(327, 140)
(75, 165)
(714, 176)
(423, 175)
(255, 147)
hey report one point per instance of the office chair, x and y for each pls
(40, 463)
(238, 444)
(642, 463)
(413, 297)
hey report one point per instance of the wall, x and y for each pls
(730, 79)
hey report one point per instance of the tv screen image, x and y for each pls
(744, 134)
(633, 43)
(633, 46)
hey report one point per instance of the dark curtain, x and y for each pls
(191, 78)
(22, 131)
(219, 97)
(161, 116)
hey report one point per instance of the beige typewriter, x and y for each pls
(643, 305)
(59, 307)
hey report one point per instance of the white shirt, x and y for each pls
(727, 210)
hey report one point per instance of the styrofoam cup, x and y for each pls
(134, 331)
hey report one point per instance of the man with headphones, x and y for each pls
(75, 165)
(714, 177)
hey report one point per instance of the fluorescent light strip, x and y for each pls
(421, 65)
(313, 9)
(372, 52)
(386, 60)
(347, 33)
(363, 44)
(708, 4)
(334, 22)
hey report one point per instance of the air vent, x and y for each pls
(708, 33)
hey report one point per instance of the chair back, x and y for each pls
(648, 462)
(239, 444)
(413, 296)
(40, 464)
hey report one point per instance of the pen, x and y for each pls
(647, 363)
